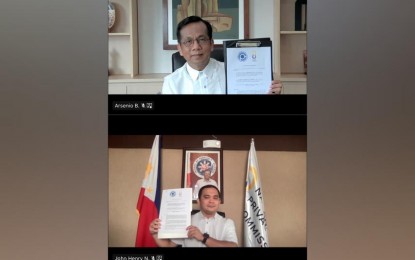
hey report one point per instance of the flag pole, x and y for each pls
(158, 191)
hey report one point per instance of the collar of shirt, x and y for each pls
(200, 217)
(194, 74)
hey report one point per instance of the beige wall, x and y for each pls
(152, 57)
(283, 176)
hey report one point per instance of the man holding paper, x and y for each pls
(207, 229)
(201, 74)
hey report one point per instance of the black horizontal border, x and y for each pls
(207, 104)
(286, 253)
(207, 124)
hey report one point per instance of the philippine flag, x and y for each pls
(148, 204)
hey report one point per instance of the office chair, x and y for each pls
(178, 61)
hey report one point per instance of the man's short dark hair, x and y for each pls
(192, 19)
(208, 186)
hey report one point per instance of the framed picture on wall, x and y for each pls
(202, 167)
(229, 18)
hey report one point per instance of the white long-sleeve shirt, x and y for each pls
(187, 80)
(218, 227)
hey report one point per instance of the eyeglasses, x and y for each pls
(200, 41)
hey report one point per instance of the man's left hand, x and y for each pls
(275, 88)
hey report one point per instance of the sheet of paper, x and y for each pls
(248, 70)
(175, 213)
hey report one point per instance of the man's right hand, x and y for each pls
(155, 226)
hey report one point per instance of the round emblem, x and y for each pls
(242, 56)
(172, 193)
(202, 164)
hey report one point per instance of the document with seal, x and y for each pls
(248, 67)
(175, 213)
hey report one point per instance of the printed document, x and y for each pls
(175, 213)
(248, 70)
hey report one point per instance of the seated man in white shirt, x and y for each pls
(208, 228)
(201, 74)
